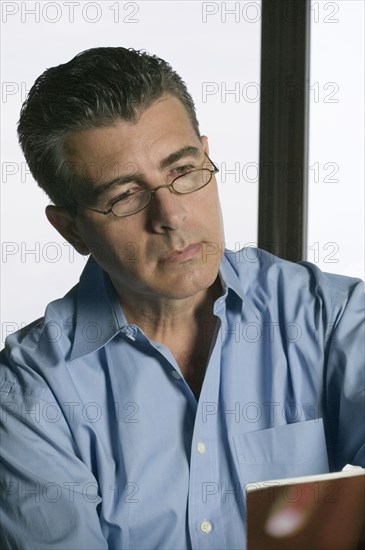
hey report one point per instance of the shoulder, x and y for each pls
(271, 282)
(268, 267)
(27, 352)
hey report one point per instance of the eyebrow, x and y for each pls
(186, 151)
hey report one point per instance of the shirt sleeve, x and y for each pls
(50, 498)
(345, 384)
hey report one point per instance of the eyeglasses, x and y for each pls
(130, 203)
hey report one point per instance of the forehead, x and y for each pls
(159, 130)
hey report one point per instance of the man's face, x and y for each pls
(172, 248)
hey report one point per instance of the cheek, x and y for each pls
(109, 242)
(120, 253)
(212, 214)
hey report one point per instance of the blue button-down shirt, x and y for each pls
(105, 446)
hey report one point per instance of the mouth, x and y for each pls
(187, 253)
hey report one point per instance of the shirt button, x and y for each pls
(206, 526)
(175, 374)
(201, 448)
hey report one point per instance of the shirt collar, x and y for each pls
(99, 315)
(236, 275)
(229, 277)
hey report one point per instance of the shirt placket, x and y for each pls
(205, 511)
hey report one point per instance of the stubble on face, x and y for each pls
(173, 248)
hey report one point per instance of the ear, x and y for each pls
(204, 141)
(64, 222)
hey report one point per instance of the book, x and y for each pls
(318, 512)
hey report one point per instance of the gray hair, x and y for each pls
(95, 88)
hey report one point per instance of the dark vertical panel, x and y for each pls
(283, 127)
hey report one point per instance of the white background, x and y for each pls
(215, 46)
(218, 49)
(336, 137)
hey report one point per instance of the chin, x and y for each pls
(188, 285)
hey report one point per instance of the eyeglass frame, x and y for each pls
(152, 192)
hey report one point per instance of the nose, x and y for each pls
(167, 210)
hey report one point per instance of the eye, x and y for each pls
(125, 196)
(180, 170)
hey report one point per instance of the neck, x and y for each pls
(185, 326)
(164, 319)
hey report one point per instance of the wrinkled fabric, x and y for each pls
(104, 445)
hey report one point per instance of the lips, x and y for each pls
(184, 254)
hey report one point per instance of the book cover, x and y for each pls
(321, 512)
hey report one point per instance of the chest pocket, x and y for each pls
(285, 451)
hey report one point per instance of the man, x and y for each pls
(136, 411)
